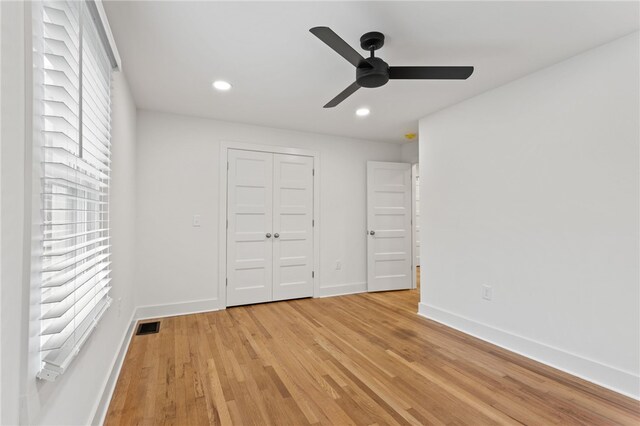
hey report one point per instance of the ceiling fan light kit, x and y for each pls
(373, 71)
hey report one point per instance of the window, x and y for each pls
(72, 114)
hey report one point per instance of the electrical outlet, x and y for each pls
(196, 220)
(338, 265)
(487, 292)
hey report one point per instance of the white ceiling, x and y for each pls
(282, 75)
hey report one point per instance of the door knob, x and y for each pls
(268, 235)
(372, 232)
(276, 235)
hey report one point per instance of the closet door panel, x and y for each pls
(250, 221)
(292, 226)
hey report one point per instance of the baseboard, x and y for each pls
(100, 411)
(343, 289)
(623, 382)
(173, 309)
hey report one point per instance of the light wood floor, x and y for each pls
(362, 359)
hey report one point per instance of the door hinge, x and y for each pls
(227, 223)
(313, 172)
(313, 222)
(226, 282)
(313, 274)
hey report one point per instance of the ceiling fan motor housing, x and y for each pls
(376, 74)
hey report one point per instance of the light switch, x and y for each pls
(487, 292)
(196, 220)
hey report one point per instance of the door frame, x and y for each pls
(225, 146)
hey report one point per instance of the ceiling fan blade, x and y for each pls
(343, 95)
(334, 41)
(430, 73)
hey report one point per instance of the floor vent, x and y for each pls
(148, 328)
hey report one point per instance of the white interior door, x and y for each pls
(249, 233)
(389, 246)
(416, 219)
(292, 226)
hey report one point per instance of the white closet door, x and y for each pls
(389, 225)
(249, 239)
(292, 226)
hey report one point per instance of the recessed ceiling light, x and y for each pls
(222, 85)
(362, 112)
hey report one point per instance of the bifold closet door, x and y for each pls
(249, 227)
(292, 226)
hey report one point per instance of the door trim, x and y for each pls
(225, 146)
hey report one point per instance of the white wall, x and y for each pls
(178, 176)
(0, 213)
(74, 397)
(533, 189)
(410, 152)
(12, 78)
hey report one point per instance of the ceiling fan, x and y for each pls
(373, 71)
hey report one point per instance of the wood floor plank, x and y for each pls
(364, 359)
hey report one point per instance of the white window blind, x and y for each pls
(73, 116)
